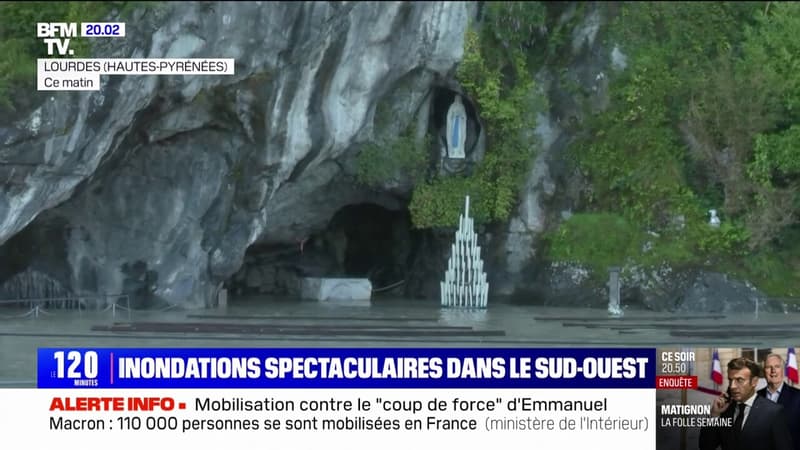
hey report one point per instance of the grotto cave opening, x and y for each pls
(34, 265)
(362, 240)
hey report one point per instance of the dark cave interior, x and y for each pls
(360, 241)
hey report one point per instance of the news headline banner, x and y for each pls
(357, 419)
(60, 73)
(355, 368)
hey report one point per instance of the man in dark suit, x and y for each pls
(782, 394)
(757, 422)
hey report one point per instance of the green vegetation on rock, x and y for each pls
(577, 240)
(704, 117)
(399, 158)
(495, 74)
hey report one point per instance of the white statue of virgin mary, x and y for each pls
(456, 129)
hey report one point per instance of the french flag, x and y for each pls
(791, 366)
(716, 369)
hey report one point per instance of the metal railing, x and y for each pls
(40, 306)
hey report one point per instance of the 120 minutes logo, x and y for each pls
(76, 359)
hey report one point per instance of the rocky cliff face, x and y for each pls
(551, 191)
(157, 186)
(169, 188)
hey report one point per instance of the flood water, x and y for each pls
(384, 323)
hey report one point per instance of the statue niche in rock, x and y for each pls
(456, 129)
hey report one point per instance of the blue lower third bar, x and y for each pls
(305, 368)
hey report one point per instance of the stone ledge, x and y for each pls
(347, 291)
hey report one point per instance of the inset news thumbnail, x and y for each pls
(727, 398)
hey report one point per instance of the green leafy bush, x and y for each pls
(597, 240)
(776, 155)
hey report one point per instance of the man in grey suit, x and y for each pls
(783, 394)
(757, 422)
